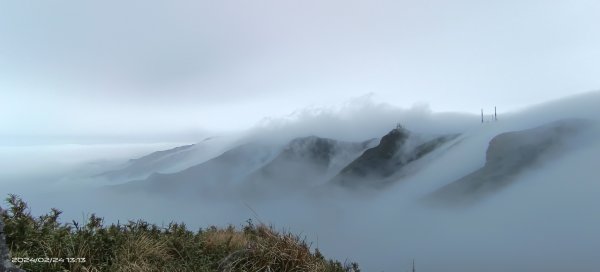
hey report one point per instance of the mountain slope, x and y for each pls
(508, 155)
(255, 167)
(167, 161)
(209, 176)
(304, 162)
(395, 150)
(154, 162)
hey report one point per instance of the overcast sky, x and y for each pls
(184, 67)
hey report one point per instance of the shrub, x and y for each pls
(144, 247)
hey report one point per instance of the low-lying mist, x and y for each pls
(545, 221)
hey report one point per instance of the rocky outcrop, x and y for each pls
(5, 263)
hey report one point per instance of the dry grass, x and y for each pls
(269, 250)
(141, 253)
(142, 247)
(228, 238)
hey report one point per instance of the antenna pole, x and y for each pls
(495, 114)
(482, 116)
(413, 266)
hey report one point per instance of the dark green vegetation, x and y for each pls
(387, 158)
(376, 160)
(141, 246)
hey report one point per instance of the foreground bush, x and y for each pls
(140, 246)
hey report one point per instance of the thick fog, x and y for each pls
(91, 90)
(545, 221)
(154, 70)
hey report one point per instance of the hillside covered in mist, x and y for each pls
(451, 191)
(252, 169)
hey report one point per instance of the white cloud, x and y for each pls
(541, 223)
(242, 61)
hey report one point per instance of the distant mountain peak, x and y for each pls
(311, 147)
(396, 149)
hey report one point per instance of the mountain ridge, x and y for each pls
(508, 155)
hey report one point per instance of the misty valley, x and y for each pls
(299, 136)
(514, 194)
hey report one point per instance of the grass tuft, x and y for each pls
(139, 246)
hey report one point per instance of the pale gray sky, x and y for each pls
(115, 68)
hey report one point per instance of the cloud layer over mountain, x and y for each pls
(543, 220)
(108, 69)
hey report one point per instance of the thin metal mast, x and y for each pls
(482, 116)
(495, 114)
